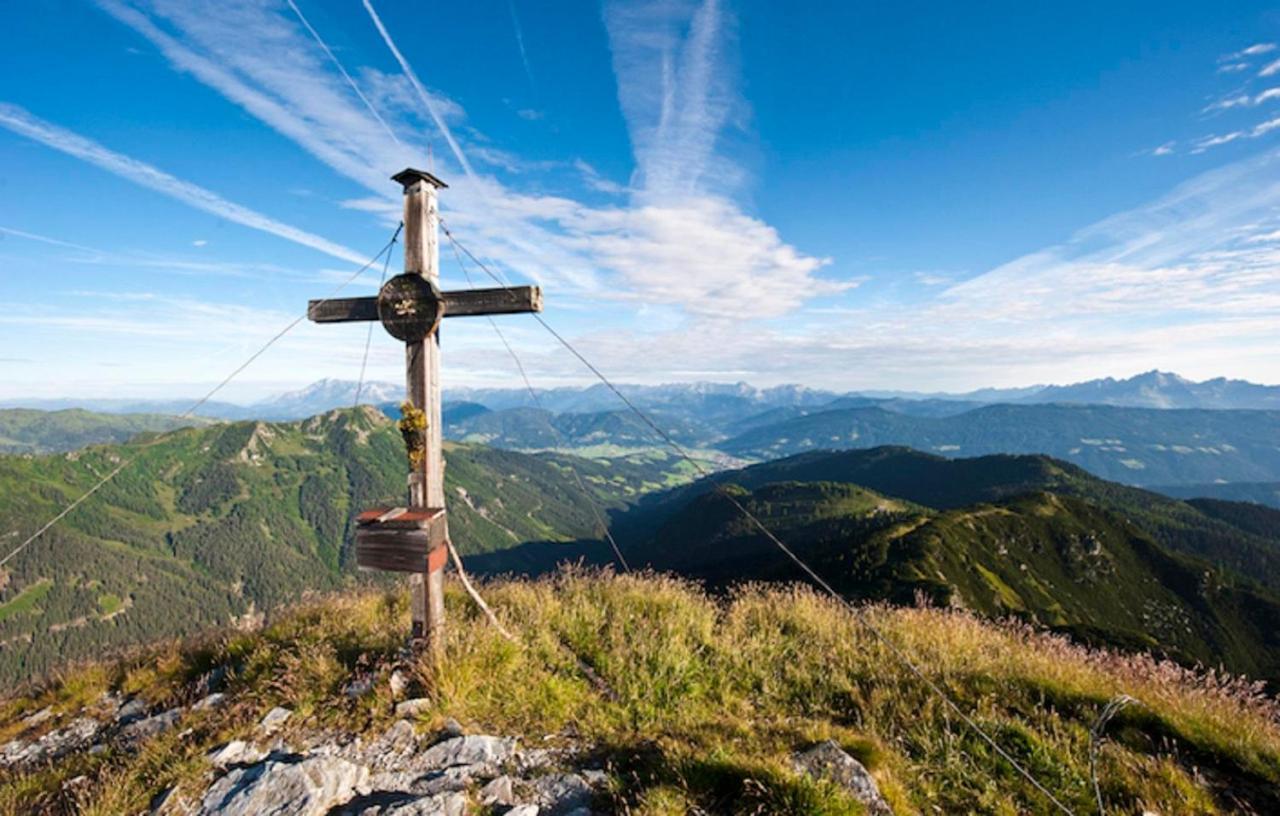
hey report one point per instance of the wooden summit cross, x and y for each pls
(414, 539)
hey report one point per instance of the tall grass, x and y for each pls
(696, 704)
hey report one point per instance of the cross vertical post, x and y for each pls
(410, 306)
(422, 376)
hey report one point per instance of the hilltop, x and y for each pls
(632, 694)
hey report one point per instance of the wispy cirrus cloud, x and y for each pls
(25, 124)
(676, 241)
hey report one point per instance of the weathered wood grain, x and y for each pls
(460, 303)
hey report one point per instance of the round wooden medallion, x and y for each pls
(410, 307)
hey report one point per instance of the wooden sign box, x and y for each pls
(400, 539)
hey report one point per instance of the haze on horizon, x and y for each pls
(855, 200)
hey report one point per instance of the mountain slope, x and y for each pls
(1134, 445)
(942, 483)
(211, 523)
(684, 703)
(1054, 560)
(24, 430)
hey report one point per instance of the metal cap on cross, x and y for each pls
(410, 306)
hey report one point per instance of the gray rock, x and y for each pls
(394, 749)
(32, 720)
(413, 708)
(523, 810)
(827, 759)
(236, 752)
(140, 730)
(210, 701)
(452, 728)
(562, 794)
(500, 791)
(430, 783)
(135, 708)
(359, 687)
(473, 750)
(445, 804)
(288, 786)
(399, 683)
(75, 736)
(274, 720)
(534, 759)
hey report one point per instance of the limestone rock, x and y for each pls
(74, 736)
(414, 707)
(145, 729)
(473, 750)
(275, 720)
(210, 701)
(445, 804)
(828, 760)
(399, 683)
(236, 752)
(563, 794)
(135, 708)
(287, 786)
(500, 791)
(523, 810)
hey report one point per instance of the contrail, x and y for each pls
(315, 35)
(44, 239)
(23, 123)
(524, 56)
(421, 91)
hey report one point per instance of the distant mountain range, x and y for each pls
(717, 403)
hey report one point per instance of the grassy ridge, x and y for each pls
(698, 703)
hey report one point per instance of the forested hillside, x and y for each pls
(1003, 535)
(212, 523)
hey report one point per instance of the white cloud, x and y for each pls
(263, 60)
(1258, 130)
(1165, 149)
(1257, 49)
(199, 242)
(24, 124)
(1186, 282)
(1270, 69)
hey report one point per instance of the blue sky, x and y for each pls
(847, 195)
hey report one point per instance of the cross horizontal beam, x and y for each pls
(463, 303)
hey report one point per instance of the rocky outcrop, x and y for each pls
(828, 760)
(398, 773)
(287, 786)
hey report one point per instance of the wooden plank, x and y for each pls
(342, 310)
(461, 303)
(392, 513)
(399, 517)
(513, 300)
